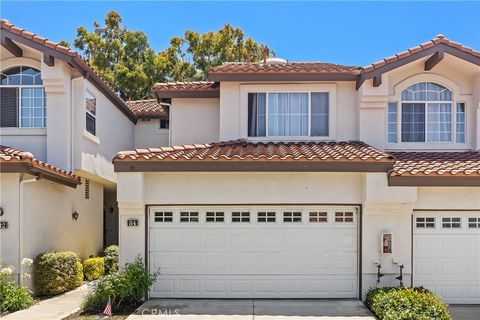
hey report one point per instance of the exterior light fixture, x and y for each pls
(75, 215)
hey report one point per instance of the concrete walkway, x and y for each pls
(55, 308)
(249, 309)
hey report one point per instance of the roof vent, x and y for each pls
(275, 60)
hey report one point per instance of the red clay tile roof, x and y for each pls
(148, 108)
(289, 67)
(436, 164)
(207, 89)
(439, 39)
(72, 57)
(224, 156)
(14, 160)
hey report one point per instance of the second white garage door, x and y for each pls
(261, 252)
(446, 255)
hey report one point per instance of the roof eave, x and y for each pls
(27, 167)
(284, 76)
(434, 181)
(250, 166)
(209, 93)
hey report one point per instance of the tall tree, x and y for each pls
(122, 57)
(127, 62)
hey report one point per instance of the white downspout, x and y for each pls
(20, 224)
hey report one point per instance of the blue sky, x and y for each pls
(356, 33)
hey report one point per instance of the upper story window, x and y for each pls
(90, 113)
(164, 124)
(426, 114)
(23, 100)
(288, 114)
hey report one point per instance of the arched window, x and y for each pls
(23, 101)
(426, 115)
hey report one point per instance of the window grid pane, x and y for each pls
(288, 114)
(265, 216)
(217, 216)
(392, 122)
(186, 216)
(439, 122)
(454, 223)
(344, 216)
(460, 135)
(290, 216)
(316, 216)
(413, 122)
(243, 216)
(33, 108)
(425, 222)
(474, 223)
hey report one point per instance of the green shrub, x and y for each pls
(110, 255)
(406, 304)
(126, 288)
(12, 297)
(93, 268)
(57, 272)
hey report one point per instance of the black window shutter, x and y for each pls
(8, 107)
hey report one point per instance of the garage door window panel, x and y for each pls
(425, 222)
(318, 216)
(292, 216)
(164, 216)
(189, 216)
(343, 217)
(474, 223)
(240, 216)
(215, 216)
(266, 216)
(451, 223)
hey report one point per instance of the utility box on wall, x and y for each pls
(386, 243)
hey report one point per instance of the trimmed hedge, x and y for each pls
(93, 268)
(110, 255)
(57, 272)
(406, 304)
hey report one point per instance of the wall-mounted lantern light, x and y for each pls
(75, 215)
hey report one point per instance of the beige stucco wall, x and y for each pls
(149, 134)
(47, 222)
(194, 121)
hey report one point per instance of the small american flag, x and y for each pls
(108, 308)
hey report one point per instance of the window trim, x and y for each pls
(330, 88)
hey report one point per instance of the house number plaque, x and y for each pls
(132, 223)
(3, 224)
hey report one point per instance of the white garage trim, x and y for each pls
(243, 252)
(446, 254)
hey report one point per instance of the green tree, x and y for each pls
(122, 57)
(126, 61)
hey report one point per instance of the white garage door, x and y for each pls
(446, 259)
(254, 252)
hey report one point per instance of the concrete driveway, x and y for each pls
(464, 312)
(249, 309)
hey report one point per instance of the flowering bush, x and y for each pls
(93, 268)
(13, 297)
(406, 304)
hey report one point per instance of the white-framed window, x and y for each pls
(451, 222)
(344, 216)
(474, 222)
(215, 216)
(288, 114)
(189, 216)
(292, 216)
(23, 100)
(240, 216)
(164, 124)
(425, 222)
(266, 216)
(90, 113)
(318, 216)
(426, 113)
(163, 216)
